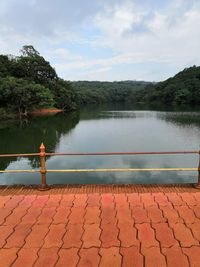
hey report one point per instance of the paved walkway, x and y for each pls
(59, 228)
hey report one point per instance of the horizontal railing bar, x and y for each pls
(20, 155)
(17, 171)
(125, 170)
(121, 153)
(100, 153)
(106, 170)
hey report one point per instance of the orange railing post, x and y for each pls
(198, 182)
(43, 170)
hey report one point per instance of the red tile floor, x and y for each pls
(155, 227)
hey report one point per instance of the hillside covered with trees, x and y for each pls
(29, 82)
(94, 92)
(182, 89)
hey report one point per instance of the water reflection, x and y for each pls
(26, 137)
(105, 128)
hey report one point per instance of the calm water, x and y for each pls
(103, 129)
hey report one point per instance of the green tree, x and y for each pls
(31, 66)
(64, 95)
(22, 96)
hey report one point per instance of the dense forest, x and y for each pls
(182, 89)
(29, 82)
(103, 92)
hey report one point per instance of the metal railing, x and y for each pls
(43, 171)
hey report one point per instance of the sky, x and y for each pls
(106, 40)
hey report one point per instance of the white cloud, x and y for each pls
(163, 38)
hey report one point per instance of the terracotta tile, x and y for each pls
(184, 235)
(110, 257)
(89, 257)
(187, 214)
(121, 200)
(7, 256)
(128, 235)
(40, 201)
(161, 199)
(148, 200)
(68, 257)
(153, 257)
(139, 215)
(124, 215)
(134, 200)
(77, 215)
(17, 238)
(155, 215)
(171, 214)
(14, 202)
(16, 216)
(46, 216)
(4, 213)
(146, 235)
(188, 198)
(26, 257)
(196, 210)
(54, 236)
(47, 257)
(193, 254)
(80, 201)
(109, 235)
(27, 201)
(131, 257)
(107, 200)
(36, 237)
(72, 238)
(164, 235)
(175, 199)
(32, 215)
(92, 215)
(3, 200)
(61, 215)
(93, 200)
(5, 232)
(197, 197)
(195, 228)
(67, 200)
(53, 201)
(91, 236)
(175, 257)
(108, 215)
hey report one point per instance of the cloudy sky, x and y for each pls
(105, 39)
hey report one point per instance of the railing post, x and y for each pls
(198, 183)
(43, 171)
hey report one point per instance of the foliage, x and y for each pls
(28, 82)
(65, 95)
(22, 95)
(32, 66)
(102, 92)
(183, 88)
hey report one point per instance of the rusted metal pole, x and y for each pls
(198, 182)
(43, 170)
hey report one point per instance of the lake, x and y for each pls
(107, 128)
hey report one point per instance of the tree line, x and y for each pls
(29, 82)
(95, 92)
(182, 89)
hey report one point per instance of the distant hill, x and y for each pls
(183, 88)
(91, 92)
